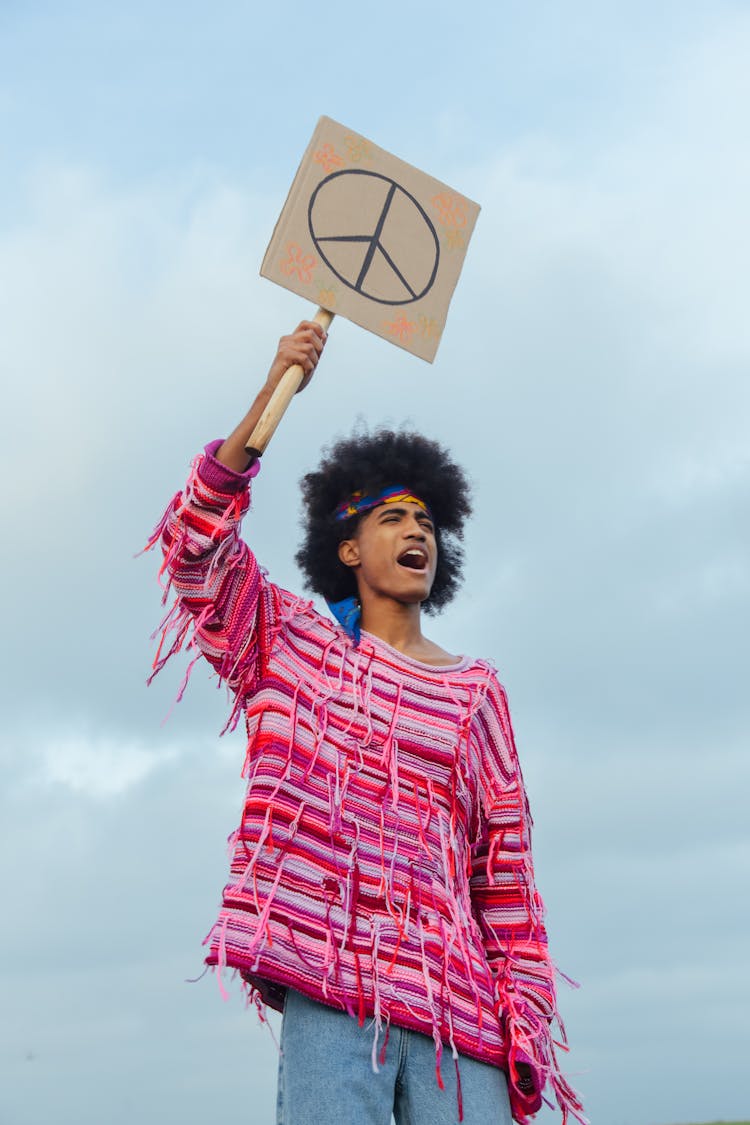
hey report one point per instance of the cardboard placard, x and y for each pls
(370, 238)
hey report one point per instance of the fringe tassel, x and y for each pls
(458, 1090)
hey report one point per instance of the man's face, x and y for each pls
(393, 553)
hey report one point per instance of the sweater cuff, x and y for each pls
(525, 1102)
(220, 477)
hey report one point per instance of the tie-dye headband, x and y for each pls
(358, 502)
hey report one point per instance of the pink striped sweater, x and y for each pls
(382, 864)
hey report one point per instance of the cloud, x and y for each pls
(100, 768)
(108, 897)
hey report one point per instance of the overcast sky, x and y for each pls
(592, 378)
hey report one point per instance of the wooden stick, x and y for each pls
(288, 385)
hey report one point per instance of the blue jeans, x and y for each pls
(326, 1075)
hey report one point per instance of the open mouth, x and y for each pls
(413, 559)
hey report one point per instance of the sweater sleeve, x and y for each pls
(510, 912)
(223, 605)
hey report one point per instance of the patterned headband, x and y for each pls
(358, 502)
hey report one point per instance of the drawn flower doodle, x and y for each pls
(298, 262)
(451, 209)
(455, 239)
(401, 327)
(429, 327)
(359, 148)
(328, 157)
(327, 296)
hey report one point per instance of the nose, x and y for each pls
(415, 530)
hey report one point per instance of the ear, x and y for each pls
(349, 552)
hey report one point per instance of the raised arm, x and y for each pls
(224, 606)
(304, 347)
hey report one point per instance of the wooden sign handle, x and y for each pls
(288, 385)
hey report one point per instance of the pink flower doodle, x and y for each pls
(298, 262)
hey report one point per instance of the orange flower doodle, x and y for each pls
(328, 158)
(451, 209)
(298, 262)
(401, 327)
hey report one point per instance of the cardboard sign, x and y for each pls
(371, 238)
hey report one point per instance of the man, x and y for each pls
(381, 891)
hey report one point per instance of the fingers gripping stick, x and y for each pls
(287, 388)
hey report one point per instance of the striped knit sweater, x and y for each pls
(382, 864)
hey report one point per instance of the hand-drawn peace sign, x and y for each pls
(364, 228)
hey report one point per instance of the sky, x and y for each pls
(592, 379)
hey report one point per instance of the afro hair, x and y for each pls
(372, 462)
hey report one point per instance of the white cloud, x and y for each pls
(98, 767)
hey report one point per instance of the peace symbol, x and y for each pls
(374, 235)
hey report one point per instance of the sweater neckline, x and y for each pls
(411, 661)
